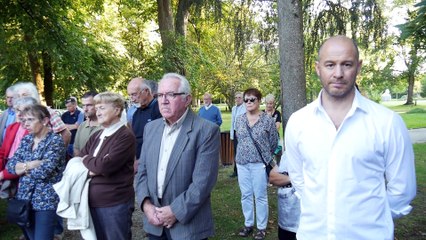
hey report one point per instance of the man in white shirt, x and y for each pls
(350, 159)
(237, 110)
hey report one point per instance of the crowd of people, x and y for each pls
(346, 171)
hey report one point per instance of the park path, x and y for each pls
(418, 135)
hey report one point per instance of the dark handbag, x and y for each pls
(268, 165)
(19, 212)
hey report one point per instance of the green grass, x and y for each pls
(413, 226)
(229, 218)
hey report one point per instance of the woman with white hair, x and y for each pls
(15, 132)
(271, 111)
(109, 155)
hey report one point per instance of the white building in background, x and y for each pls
(386, 96)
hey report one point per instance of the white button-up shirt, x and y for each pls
(351, 181)
(170, 134)
(236, 112)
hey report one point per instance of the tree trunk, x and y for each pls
(165, 22)
(292, 67)
(48, 78)
(35, 68)
(410, 89)
(182, 15)
(412, 67)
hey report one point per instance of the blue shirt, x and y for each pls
(68, 118)
(212, 114)
(10, 119)
(132, 109)
(141, 117)
(37, 185)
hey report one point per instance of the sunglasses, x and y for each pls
(250, 99)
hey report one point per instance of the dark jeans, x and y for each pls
(235, 141)
(115, 222)
(59, 228)
(43, 225)
(286, 235)
(165, 236)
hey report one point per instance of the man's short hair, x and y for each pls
(90, 94)
(71, 100)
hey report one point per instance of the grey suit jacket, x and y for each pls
(3, 119)
(190, 177)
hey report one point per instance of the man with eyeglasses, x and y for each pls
(237, 110)
(140, 93)
(178, 167)
(8, 116)
(210, 111)
(88, 127)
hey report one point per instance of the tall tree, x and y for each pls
(292, 71)
(61, 51)
(413, 43)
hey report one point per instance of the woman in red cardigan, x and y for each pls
(14, 133)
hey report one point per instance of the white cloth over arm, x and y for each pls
(73, 192)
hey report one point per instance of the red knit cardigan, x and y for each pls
(11, 131)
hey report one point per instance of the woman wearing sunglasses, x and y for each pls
(257, 140)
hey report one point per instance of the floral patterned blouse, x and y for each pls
(264, 133)
(37, 184)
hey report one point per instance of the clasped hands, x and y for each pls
(159, 216)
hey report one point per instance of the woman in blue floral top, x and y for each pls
(252, 177)
(39, 160)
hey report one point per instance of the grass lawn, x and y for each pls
(229, 218)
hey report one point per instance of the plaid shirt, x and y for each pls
(56, 123)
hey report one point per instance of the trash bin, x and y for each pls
(226, 149)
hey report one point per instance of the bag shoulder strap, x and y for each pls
(255, 144)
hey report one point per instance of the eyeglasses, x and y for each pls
(135, 94)
(28, 120)
(170, 95)
(250, 99)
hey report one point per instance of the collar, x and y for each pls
(111, 129)
(359, 103)
(207, 107)
(177, 124)
(10, 111)
(91, 125)
(154, 100)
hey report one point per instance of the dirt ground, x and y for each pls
(137, 231)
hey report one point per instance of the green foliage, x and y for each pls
(416, 27)
(423, 90)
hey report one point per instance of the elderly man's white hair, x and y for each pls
(29, 87)
(184, 84)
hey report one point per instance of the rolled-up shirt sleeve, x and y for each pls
(400, 170)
